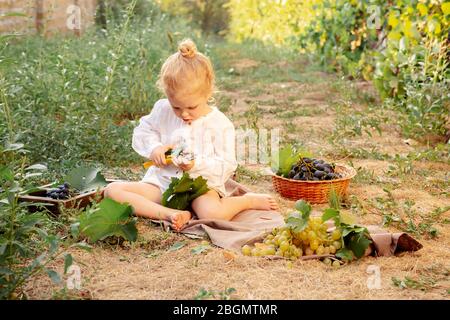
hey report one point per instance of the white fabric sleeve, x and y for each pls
(218, 168)
(146, 136)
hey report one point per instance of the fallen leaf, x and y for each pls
(177, 246)
(229, 256)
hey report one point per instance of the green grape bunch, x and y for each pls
(286, 242)
(306, 235)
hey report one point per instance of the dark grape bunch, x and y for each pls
(62, 192)
(313, 170)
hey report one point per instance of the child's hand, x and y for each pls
(158, 155)
(186, 166)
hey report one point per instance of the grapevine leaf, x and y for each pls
(297, 222)
(182, 192)
(303, 206)
(183, 185)
(331, 214)
(112, 219)
(286, 158)
(178, 201)
(347, 229)
(345, 254)
(358, 243)
(199, 187)
(85, 179)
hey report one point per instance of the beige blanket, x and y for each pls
(250, 226)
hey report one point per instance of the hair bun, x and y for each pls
(187, 48)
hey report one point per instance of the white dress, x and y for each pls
(211, 138)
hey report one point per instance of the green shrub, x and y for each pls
(400, 45)
(77, 100)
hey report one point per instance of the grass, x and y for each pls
(303, 112)
(427, 278)
(223, 295)
(70, 94)
(406, 217)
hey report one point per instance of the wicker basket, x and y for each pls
(314, 191)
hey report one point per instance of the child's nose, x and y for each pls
(184, 114)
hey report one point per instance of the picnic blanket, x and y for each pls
(250, 226)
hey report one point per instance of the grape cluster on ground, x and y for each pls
(285, 242)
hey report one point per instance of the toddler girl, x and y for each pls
(186, 119)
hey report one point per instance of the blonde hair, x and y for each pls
(184, 68)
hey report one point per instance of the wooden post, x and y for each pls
(77, 31)
(39, 16)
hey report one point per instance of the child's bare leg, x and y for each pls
(211, 206)
(145, 199)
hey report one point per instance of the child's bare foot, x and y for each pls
(262, 201)
(179, 218)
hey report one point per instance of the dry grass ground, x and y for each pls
(311, 107)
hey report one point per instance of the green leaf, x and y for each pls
(37, 166)
(6, 173)
(399, 283)
(53, 241)
(446, 8)
(32, 189)
(32, 174)
(347, 229)
(303, 206)
(345, 254)
(85, 179)
(199, 187)
(6, 271)
(182, 192)
(203, 294)
(200, 249)
(331, 214)
(13, 147)
(183, 185)
(177, 201)
(11, 198)
(129, 231)
(75, 229)
(3, 247)
(13, 14)
(286, 158)
(334, 200)
(53, 275)
(297, 222)
(177, 246)
(82, 245)
(358, 243)
(38, 261)
(112, 219)
(68, 260)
